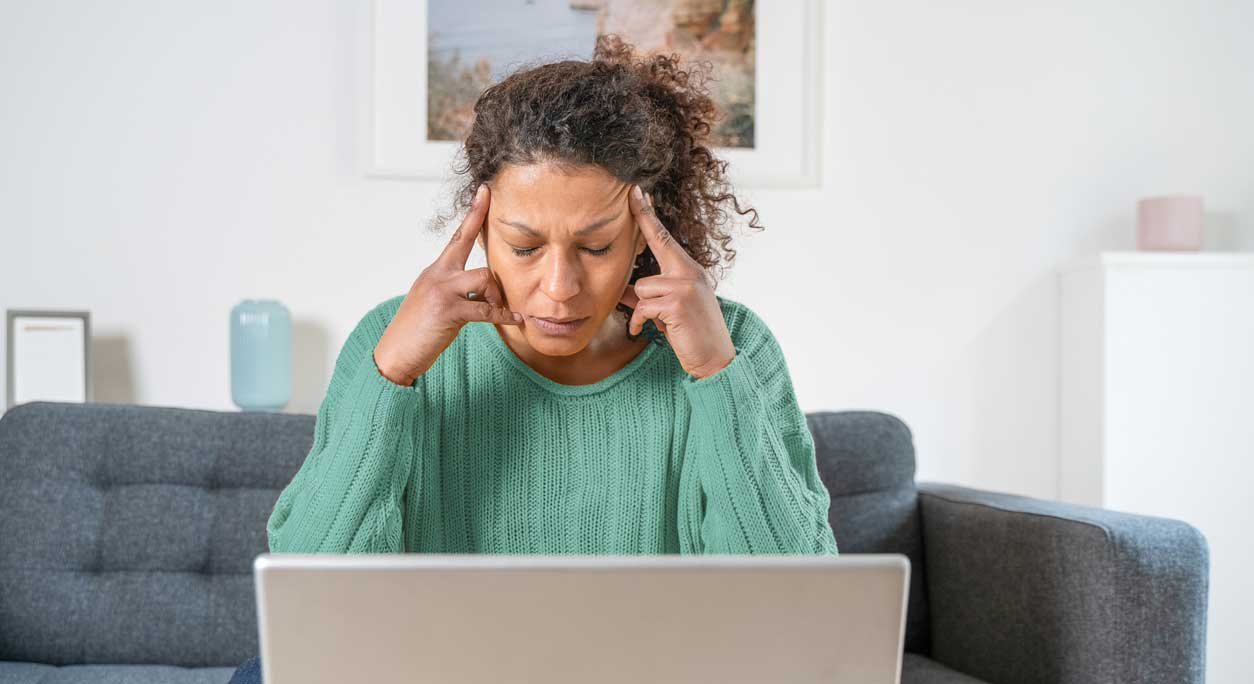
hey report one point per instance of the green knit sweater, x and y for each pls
(482, 454)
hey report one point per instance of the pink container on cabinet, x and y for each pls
(1169, 223)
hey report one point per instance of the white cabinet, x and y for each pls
(1157, 410)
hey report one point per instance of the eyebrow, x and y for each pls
(532, 232)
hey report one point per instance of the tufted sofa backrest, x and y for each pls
(127, 533)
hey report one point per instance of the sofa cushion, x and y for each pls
(38, 673)
(917, 669)
(866, 459)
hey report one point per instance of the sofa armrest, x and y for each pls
(1028, 590)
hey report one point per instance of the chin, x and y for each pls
(562, 345)
(551, 345)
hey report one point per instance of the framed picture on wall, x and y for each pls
(425, 62)
(48, 356)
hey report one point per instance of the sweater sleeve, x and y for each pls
(751, 452)
(347, 496)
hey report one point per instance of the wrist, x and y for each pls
(704, 373)
(391, 374)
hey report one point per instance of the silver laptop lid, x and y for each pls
(492, 618)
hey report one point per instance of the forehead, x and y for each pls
(552, 196)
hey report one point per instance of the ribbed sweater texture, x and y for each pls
(483, 454)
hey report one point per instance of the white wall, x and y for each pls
(160, 163)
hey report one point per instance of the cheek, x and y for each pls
(507, 276)
(612, 279)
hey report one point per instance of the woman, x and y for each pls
(586, 392)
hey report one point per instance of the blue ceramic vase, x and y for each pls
(261, 355)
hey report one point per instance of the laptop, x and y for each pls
(459, 618)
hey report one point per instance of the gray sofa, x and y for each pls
(127, 536)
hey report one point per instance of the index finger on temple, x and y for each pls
(460, 245)
(669, 253)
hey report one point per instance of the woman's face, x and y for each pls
(562, 243)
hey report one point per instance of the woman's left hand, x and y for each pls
(679, 300)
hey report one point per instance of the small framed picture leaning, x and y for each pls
(47, 357)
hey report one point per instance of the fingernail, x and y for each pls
(637, 192)
(517, 316)
(649, 196)
(478, 195)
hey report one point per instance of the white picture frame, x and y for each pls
(48, 356)
(392, 118)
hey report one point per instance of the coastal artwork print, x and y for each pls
(474, 43)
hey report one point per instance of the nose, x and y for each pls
(561, 278)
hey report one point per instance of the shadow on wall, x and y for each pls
(313, 358)
(1221, 232)
(112, 373)
(1003, 385)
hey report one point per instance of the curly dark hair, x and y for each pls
(642, 119)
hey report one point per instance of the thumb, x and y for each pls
(629, 297)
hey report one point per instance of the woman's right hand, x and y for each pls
(436, 308)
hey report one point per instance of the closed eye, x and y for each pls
(595, 252)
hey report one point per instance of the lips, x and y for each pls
(549, 326)
(561, 320)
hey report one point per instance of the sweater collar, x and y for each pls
(488, 336)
